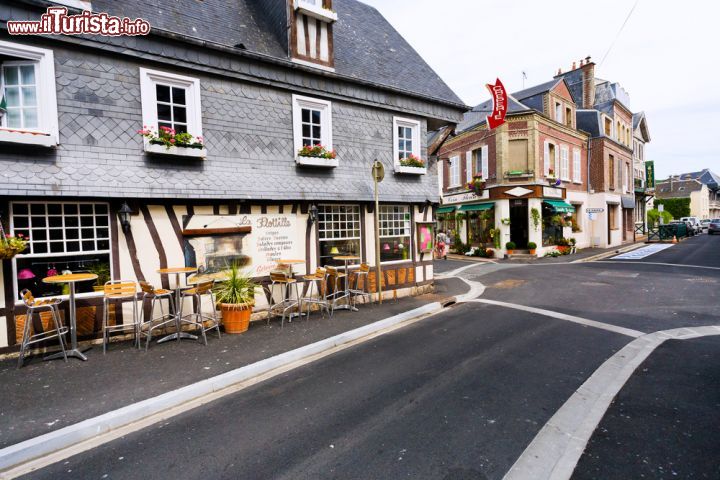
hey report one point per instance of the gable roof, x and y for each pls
(366, 46)
(640, 123)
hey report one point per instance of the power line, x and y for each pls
(619, 32)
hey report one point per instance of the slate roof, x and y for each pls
(366, 46)
(537, 89)
(677, 189)
(712, 180)
(477, 115)
(590, 122)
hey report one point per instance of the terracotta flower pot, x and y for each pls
(236, 318)
(510, 252)
(532, 252)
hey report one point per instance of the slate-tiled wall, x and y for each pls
(248, 131)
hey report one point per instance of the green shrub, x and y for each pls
(532, 245)
(510, 245)
(677, 207)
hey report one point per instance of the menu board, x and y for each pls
(255, 241)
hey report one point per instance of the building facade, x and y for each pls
(533, 169)
(604, 112)
(702, 188)
(254, 95)
(644, 186)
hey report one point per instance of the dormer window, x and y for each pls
(311, 37)
(558, 112)
(568, 117)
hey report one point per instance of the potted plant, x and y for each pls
(495, 235)
(510, 247)
(563, 246)
(489, 252)
(535, 213)
(573, 244)
(102, 270)
(532, 246)
(11, 245)
(505, 221)
(236, 296)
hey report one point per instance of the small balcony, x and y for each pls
(639, 185)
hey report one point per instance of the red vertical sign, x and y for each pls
(500, 103)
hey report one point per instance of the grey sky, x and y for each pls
(664, 58)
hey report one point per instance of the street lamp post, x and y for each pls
(378, 173)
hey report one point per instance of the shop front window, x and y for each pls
(552, 225)
(394, 233)
(339, 232)
(480, 224)
(64, 237)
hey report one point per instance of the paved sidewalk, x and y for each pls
(45, 396)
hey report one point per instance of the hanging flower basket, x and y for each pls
(11, 246)
(477, 185)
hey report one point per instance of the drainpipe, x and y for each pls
(588, 163)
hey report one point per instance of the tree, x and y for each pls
(677, 207)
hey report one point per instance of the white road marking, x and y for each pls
(659, 263)
(556, 449)
(563, 316)
(643, 252)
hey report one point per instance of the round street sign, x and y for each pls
(378, 171)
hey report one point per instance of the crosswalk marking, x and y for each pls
(643, 252)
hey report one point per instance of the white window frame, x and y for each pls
(468, 166)
(355, 209)
(414, 125)
(61, 254)
(148, 97)
(44, 62)
(454, 171)
(406, 227)
(485, 168)
(577, 166)
(325, 107)
(612, 126)
(564, 163)
(559, 110)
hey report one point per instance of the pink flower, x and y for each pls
(20, 235)
(7, 235)
(172, 140)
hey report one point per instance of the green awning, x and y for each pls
(445, 210)
(559, 206)
(477, 207)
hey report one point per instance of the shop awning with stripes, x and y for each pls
(560, 206)
(445, 210)
(477, 207)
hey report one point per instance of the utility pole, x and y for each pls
(378, 173)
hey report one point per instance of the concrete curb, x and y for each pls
(15, 456)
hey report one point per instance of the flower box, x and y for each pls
(191, 152)
(411, 164)
(317, 161)
(410, 170)
(24, 137)
(316, 156)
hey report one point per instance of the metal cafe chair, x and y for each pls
(334, 278)
(118, 292)
(155, 295)
(197, 318)
(33, 305)
(319, 280)
(361, 277)
(286, 304)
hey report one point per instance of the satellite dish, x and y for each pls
(378, 171)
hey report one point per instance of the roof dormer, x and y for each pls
(311, 40)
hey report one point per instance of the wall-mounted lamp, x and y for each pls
(124, 215)
(313, 214)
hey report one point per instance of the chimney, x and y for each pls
(588, 83)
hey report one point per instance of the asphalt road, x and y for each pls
(664, 423)
(461, 394)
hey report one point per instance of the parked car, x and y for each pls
(714, 226)
(694, 222)
(705, 223)
(688, 226)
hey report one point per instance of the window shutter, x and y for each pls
(546, 159)
(468, 166)
(484, 163)
(564, 163)
(577, 169)
(556, 165)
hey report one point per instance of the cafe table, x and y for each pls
(177, 271)
(346, 259)
(71, 279)
(290, 262)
